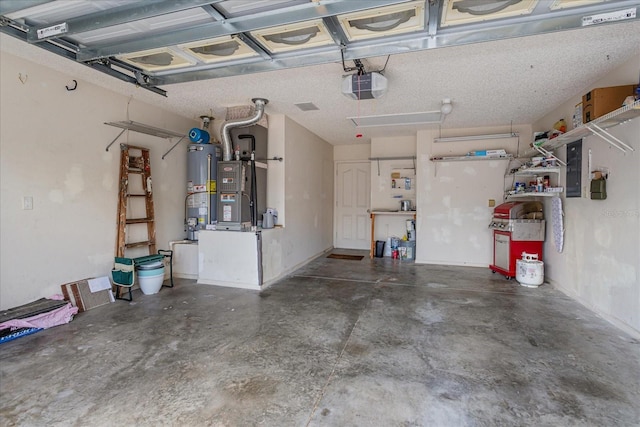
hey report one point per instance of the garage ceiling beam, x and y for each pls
(129, 12)
(108, 69)
(477, 33)
(104, 57)
(241, 24)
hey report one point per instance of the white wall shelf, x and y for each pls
(596, 127)
(468, 158)
(536, 171)
(476, 137)
(525, 195)
(145, 129)
(378, 159)
(533, 172)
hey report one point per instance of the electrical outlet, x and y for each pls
(492, 203)
(27, 203)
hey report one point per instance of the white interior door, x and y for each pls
(353, 183)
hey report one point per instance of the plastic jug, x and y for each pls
(267, 220)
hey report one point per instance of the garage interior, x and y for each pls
(278, 333)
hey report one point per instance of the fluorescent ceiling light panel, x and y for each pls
(384, 21)
(301, 35)
(456, 12)
(156, 60)
(476, 137)
(219, 49)
(402, 119)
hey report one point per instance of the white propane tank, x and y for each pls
(529, 270)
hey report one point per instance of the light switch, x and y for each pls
(27, 203)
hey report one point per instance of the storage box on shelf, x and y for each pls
(603, 100)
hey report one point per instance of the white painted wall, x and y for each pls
(354, 152)
(52, 145)
(276, 170)
(229, 258)
(185, 259)
(600, 263)
(453, 209)
(307, 183)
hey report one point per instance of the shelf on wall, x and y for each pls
(476, 137)
(145, 129)
(468, 158)
(393, 158)
(537, 171)
(523, 195)
(378, 159)
(597, 127)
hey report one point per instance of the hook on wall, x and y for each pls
(75, 86)
(23, 80)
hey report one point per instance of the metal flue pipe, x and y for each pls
(227, 149)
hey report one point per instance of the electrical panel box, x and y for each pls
(574, 169)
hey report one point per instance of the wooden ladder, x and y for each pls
(138, 165)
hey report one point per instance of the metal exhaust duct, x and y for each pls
(227, 149)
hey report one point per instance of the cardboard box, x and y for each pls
(604, 100)
(496, 153)
(79, 295)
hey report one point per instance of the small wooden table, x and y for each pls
(373, 215)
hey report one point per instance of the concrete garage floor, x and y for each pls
(338, 343)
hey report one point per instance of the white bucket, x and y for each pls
(529, 273)
(150, 281)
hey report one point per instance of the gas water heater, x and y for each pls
(201, 201)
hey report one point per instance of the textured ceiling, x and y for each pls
(491, 84)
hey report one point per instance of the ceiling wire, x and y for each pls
(385, 65)
(129, 102)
